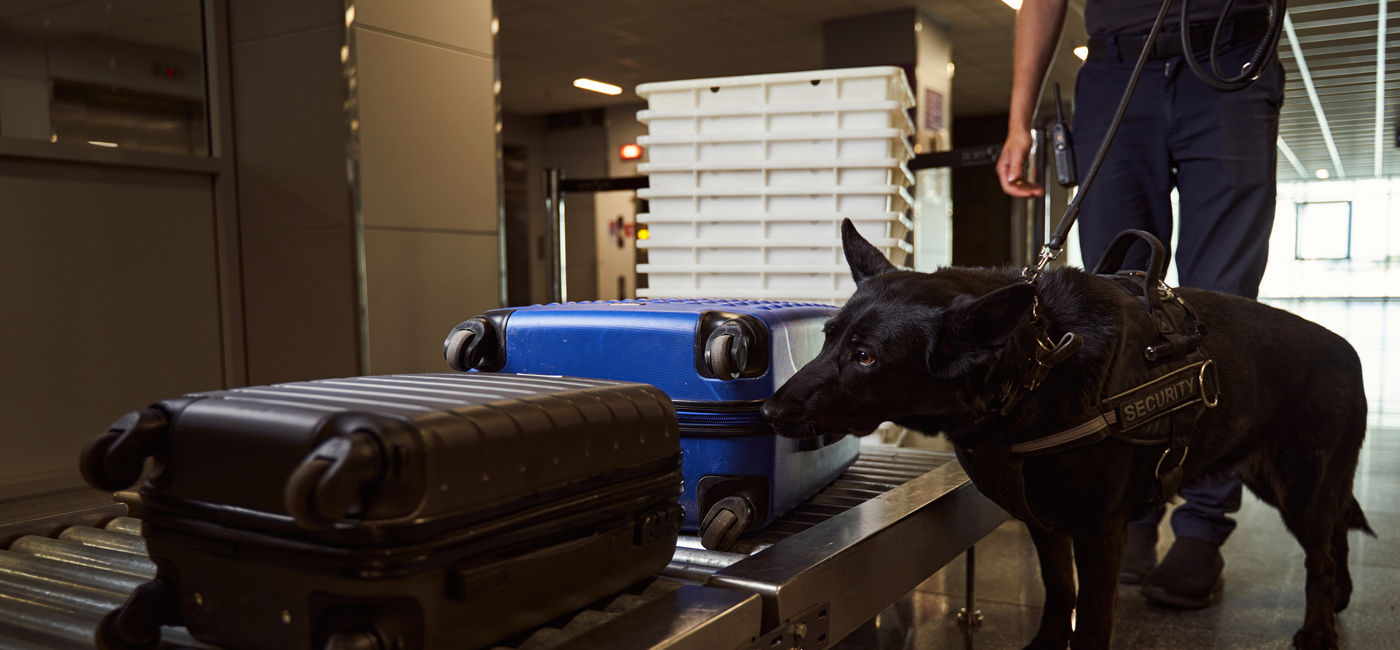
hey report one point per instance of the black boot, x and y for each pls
(1139, 552)
(1188, 577)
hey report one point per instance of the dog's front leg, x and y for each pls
(1057, 574)
(1097, 556)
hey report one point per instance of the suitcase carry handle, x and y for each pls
(114, 460)
(1112, 262)
(327, 483)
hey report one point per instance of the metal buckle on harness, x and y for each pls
(1210, 399)
(1165, 452)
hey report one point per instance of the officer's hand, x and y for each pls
(1012, 163)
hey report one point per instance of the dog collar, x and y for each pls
(1048, 354)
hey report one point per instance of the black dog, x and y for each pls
(940, 352)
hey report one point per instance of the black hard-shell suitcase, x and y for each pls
(401, 511)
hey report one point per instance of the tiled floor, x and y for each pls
(1262, 604)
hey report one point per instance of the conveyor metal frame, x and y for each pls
(864, 559)
(808, 588)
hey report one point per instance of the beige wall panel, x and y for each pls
(289, 117)
(108, 277)
(464, 24)
(300, 305)
(427, 136)
(255, 19)
(24, 108)
(420, 285)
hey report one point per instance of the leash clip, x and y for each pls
(1032, 273)
(1052, 354)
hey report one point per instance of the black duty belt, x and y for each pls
(1245, 28)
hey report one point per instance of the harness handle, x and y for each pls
(1112, 262)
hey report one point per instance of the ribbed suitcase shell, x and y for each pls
(654, 341)
(508, 500)
(660, 342)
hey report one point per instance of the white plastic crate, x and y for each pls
(826, 173)
(836, 298)
(806, 227)
(802, 279)
(748, 148)
(761, 119)
(702, 202)
(716, 255)
(815, 87)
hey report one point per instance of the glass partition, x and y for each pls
(105, 73)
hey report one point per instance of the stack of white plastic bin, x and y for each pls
(750, 177)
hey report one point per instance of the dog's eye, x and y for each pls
(865, 358)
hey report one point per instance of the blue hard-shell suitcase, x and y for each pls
(717, 360)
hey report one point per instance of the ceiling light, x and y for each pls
(597, 86)
(1323, 174)
(630, 151)
(1082, 52)
(103, 143)
(951, 68)
(1014, 4)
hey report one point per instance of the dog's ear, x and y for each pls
(988, 321)
(865, 260)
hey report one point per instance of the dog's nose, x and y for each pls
(771, 410)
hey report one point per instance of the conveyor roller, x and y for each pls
(53, 590)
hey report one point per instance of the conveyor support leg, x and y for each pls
(969, 615)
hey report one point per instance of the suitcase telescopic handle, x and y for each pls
(331, 479)
(114, 460)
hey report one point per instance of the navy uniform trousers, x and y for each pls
(1219, 151)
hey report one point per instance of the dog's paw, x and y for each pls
(1315, 638)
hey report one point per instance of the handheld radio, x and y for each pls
(1062, 142)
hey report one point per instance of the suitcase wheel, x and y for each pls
(136, 624)
(455, 348)
(468, 345)
(725, 521)
(727, 350)
(727, 355)
(354, 641)
(329, 481)
(114, 460)
(108, 637)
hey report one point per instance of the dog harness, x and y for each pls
(1159, 379)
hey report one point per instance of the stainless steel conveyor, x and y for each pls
(806, 581)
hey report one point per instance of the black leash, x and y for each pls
(1248, 74)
